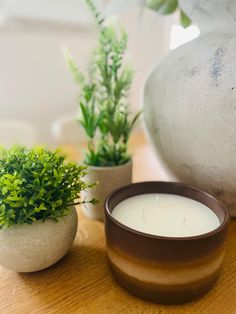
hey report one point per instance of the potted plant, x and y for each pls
(38, 219)
(104, 113)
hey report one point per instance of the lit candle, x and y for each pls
(166, 215)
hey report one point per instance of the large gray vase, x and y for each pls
(190, 102)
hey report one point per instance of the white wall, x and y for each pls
(35, 83)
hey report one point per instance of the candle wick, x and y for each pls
(184, 221)
(143, 213)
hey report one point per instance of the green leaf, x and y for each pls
(85, 114)
(4, 190)
(185, 20)
(169, 7)
(163, 7)
(78, 76)
(2, 207)
(154, 5)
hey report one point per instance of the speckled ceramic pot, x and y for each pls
(29, 248)
(108, 179)
(165, 269)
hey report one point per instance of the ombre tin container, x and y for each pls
(162, 269)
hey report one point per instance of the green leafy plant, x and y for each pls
(103, 103)
(36, 184)
(166, 7)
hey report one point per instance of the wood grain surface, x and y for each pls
(82, 283)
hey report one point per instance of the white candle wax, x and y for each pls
(166, 215)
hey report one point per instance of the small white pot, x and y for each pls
(29, 248)
(108, 179)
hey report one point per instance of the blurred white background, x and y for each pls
(35, 83)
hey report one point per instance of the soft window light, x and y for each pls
(180, 35)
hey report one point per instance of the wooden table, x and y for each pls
(82, 283)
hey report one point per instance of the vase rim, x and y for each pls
(39, 221)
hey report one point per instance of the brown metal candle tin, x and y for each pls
(165, 269)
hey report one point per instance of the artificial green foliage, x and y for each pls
(103, 103)
(36, 184)
(166, 7)
(185, 20)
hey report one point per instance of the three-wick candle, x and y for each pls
(166, 215)
(165, 240)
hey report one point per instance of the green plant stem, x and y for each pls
(104, 97)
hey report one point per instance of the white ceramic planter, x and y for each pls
(108, 179)
(190, 102)
(29, 248)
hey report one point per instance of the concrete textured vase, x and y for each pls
(108, 179)
(29, 248)
(190, 102)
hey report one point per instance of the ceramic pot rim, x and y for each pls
(221, 205)
(129, 162)
(46, 222)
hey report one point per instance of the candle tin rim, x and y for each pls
(222, 206)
